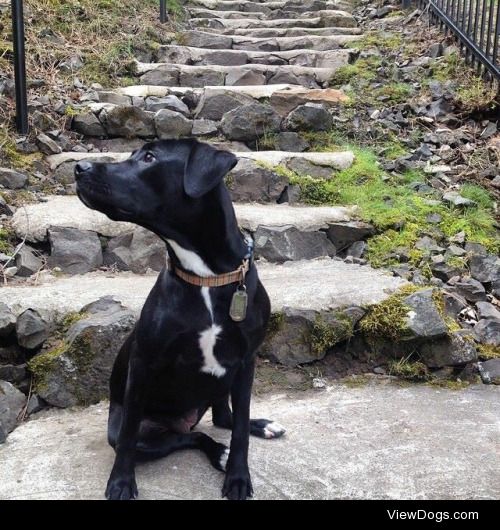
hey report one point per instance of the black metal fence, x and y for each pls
(476, 24)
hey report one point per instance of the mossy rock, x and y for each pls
(77, 370)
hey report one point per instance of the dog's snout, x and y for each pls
(82, 167)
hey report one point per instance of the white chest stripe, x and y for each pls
(192, 262)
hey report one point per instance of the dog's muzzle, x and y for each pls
(81, 168)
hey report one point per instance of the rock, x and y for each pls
(285, 101)
(144, 251)
(443, 271)
(245, 77)
(12, 373)
(357, 249)
(290, 195)
(453, 303)
(170, 124)
(217, 102)
(291, 141)
(204, 128)
(88, 124)
(163, 76)
(7, 320)
(309, 117)
(12, 179)
(435, 50)
(32, 328)
(129, 122)
(487, 331)
(47, 145)
(27, 263)
(11, 404)
(424, 320)
(198, 39)
(35, 404)
(471, 290)
(489, 131)
(249, 181)
(453, 197)
(70, 65)
(302, 336)
(485, 268)
(108, 96)
(487, 310)
(78, 371)
(287, 243)
(455, 250)
(428, 244)
(74, 251)
(343, 235)
(171, 102)
(249, 122)
(490, 371)
(104, 304)
(198, 78)
(454, 350)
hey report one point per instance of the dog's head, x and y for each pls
(165, 183)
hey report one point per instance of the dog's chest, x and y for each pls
(208, 338)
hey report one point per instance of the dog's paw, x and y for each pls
(219, 457)
(237, 486)
(121, 488)
(266, 429)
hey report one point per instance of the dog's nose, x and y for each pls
(82, 167)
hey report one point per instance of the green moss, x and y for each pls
(363, 69)
(42, 364)
(70, 319)
(387, 320)
(381, 40)
(276, 322)
(449, 384)
(410, 370)
(12, 156)
(7, 239)
(356, 381)
(71, 112)
(325, 335)
(488, 351)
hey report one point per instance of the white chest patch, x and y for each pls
(208, 338)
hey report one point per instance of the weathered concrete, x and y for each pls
(336, 160)
(320, 284)
(380, 441)
(277, 32)
(68, 211)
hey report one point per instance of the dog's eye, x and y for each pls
(149, 157)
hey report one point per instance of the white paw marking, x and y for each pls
(273, 430)
(207, 341)
(223, 459)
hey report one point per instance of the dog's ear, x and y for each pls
(205, 168)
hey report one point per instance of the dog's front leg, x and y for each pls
(237, 484)
(121, 483)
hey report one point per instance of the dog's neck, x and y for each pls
(215, 245)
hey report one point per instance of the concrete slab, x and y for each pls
(379, 441)
(336, 160)
(320, 284)
(68, 211)
(271, 32)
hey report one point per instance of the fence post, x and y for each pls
(163, 11)
(20, 67)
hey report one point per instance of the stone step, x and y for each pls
(318, 285)
(201, 56)
(275, 32)
(205, 39)
(67, 211)
(214, 75)
(253, 179)
(321, 19)
(267, 8)
(272, 15)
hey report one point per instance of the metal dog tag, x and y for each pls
(239, 303)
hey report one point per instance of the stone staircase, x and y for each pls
(243, 75)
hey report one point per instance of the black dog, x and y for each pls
(195, 341)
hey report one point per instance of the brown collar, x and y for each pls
(237, 276)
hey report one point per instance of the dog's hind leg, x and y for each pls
(156, 442)
(223, 417)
